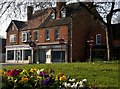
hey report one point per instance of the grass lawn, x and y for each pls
(101, 74)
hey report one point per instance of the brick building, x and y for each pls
(44, 29)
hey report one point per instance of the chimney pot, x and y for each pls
(29, 12)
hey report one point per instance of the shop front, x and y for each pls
(52, 53)
(19, 54)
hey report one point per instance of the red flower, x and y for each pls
(13, 73)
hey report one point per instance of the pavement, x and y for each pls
(12, 64)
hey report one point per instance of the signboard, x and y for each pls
(51, 46)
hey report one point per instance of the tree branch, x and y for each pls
(90, 10)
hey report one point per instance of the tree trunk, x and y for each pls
(109, 38)
(108, 47)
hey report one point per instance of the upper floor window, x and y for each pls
(36, 35)
(53, 15)
(98, 39)
(63, 12)
(56, 33)
(12, 38)
(25, 36)
(47, 34)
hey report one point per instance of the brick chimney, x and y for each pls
(29, 12)
(59, 5)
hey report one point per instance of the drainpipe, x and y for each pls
(71, 24)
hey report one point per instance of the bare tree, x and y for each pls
(106, 19)
(16, 9)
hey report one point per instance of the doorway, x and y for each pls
(18, 56)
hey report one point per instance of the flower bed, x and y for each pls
(39, 79)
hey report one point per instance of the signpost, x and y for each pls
(61, 42)
(91, 43)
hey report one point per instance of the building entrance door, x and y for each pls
(42, 56)
(18, 56)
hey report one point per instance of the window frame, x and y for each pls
(98, 36)
(47, 34)
(12, 38)
(35, 37)
(56, 35)
(27, 36)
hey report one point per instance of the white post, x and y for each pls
(66, 56)
(6, 55)
(14, 55)
(22, 56)
(71, 57)
(32, 55)
(90, 54)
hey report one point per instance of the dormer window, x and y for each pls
(63, 12)
(53, 15)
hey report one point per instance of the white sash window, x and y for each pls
(12, 38)
(25, 36)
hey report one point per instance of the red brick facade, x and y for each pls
(76, 29)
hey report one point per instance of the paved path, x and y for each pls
(12, 64)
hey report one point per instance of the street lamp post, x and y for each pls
(61, 42)
(90, 42)
(33, 45)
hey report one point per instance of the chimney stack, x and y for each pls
(59, 5)
(29, 12)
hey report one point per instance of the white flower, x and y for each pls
(38, 71)
(41, 70)
(80, 82)
(80, 86)
(65, 84)
(68, 85)
(77, 83)
(74, 86)
(84, 80)
(72, 80)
